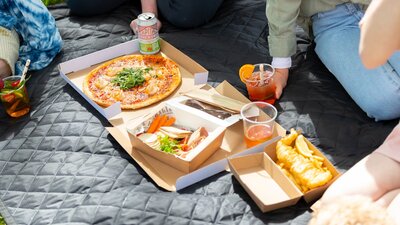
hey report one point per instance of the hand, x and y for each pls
(133, 25)
(280, 80)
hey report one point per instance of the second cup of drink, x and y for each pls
(259, 85)
(258, 122)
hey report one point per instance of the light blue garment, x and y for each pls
(39, 37)
(337, 37)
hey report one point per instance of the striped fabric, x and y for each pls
(40, 39)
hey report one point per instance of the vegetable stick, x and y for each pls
(14, 106)
(184, 140)
(163, 119)
(154, 124)
(184, 147)
(170, 121)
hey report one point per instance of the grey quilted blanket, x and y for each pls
(59, 165)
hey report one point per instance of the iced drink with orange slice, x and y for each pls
(259, 81)
(258, 122)
(14, 96)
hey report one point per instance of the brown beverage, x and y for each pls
(259, 84)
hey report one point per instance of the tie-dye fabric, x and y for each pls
(39, 36)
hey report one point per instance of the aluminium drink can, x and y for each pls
(149, 40)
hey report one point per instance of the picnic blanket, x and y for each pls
(59, 165)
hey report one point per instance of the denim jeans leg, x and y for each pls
(337, 36)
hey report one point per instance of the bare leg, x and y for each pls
(386, 199)
(394, 209)
(373, 176)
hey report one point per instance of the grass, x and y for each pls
(2, 222)
(50, 2)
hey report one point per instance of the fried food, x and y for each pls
(295, 158)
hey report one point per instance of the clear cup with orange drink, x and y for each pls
(14, 96)
(258, 122)
(259, 81)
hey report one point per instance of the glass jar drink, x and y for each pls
(258, 122)
(149, 40)
(14, 96)
(260, 85)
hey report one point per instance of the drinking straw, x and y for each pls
(261, 74)
(25, 70)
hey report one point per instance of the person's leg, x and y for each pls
(388, 198)
(367, 178)
(394, 208)
(188, 13)
(337, 36)
(92, 7)
(9, 46)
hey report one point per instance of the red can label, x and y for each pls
(148, 32)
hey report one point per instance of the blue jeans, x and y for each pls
(337, 37)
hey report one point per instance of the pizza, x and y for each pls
(134, 80)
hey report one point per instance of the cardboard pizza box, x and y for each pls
(267, 185)
(172, 179)
(193, 76)
(74, 72)
(191, 120)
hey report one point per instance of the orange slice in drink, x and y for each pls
(245, 72)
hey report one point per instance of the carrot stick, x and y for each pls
(170, 121)
(163, 119)
(154, 124)
(14, 105)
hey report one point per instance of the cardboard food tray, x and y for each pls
(264, 181)
(74, 72)
(188, 119)
(267, 185)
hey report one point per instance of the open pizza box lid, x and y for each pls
(266, 183)
(74, 72)
(172, 179)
